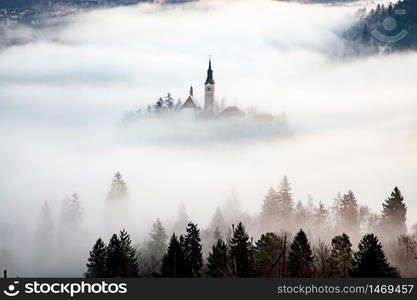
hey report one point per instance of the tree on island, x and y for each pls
(118, 188)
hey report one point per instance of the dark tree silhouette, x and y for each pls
(129, 267)
(370, 260)
(173, 264)
(300, 257)
(114, 257)
(218, 261)
(240, 252)
(96, 266)
(394, 213)
(341, 257)
(193, 250)
(267, 249)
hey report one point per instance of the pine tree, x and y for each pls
(218, 260)
(114, 257)
(240, 252)
(193, 250)
(129, 267)
(284, 199)
(218, 222)
(173, 264)
(182, 219)
(370, 260)
(349, 213)
(157, 246)
(269, 213)
(341, 257)
(394, 213)
(71, 212)
(118, 189)
(267, 250)
(300, 257)
(96, 266)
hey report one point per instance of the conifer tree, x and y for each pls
(240, 252)
(173, 264)
(267, 250)
(270, 210)
(370, 260)
(96, 266)
(182, 219)
(71, 212)
(218, 260)
(193, 250)
(118, 189)
(114, 257)
(349, 213)
(157, 246)
(300, 257)
(129, 267)
(218, 222)
(341, 256)
(284, 198)
(394, 213)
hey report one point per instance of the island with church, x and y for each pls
(222, 117)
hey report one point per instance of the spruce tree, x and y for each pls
(114, 257)
(341, 257)
(193, 250)
(218, 222)
(394, 213)
(218, 261)
(349, 213)
(157, 246)
(300, 257)
(118, 189)
(96, 266)
(240, 252)
(129, 267)
(267, 250)
(370, 260)
(173, 263)
(71, 212)
(269, 213)
(284, 198)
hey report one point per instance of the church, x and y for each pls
(191, 106)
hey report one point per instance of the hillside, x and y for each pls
(390, 28)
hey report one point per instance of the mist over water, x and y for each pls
(353, 122)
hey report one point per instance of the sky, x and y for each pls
(64, 92)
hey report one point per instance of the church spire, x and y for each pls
(191, 91)
(209, 79)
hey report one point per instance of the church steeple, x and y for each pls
(191, 91)
(209, 79)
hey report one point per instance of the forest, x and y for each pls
(294, 240)
(362, 35)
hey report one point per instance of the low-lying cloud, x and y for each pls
(63, 94)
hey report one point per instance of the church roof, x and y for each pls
(232, 111)
(191, 102)
(209, 79)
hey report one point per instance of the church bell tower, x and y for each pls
(209, 87)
